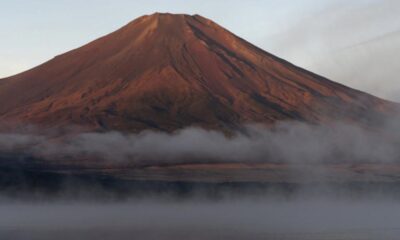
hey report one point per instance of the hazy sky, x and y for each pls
(353, 42)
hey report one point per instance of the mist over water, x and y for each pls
(229, 219)
(323, 212)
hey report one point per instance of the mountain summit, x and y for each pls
(169, 71)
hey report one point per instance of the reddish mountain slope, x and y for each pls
(166, 72)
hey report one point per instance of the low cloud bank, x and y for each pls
(289, 142)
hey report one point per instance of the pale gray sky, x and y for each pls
(353, 42)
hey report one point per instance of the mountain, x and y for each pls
(169, 71)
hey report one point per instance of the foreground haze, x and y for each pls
(245, 219)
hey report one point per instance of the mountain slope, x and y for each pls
(166, 72)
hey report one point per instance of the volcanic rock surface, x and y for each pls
(169, 71)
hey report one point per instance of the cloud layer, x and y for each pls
(289, 142)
